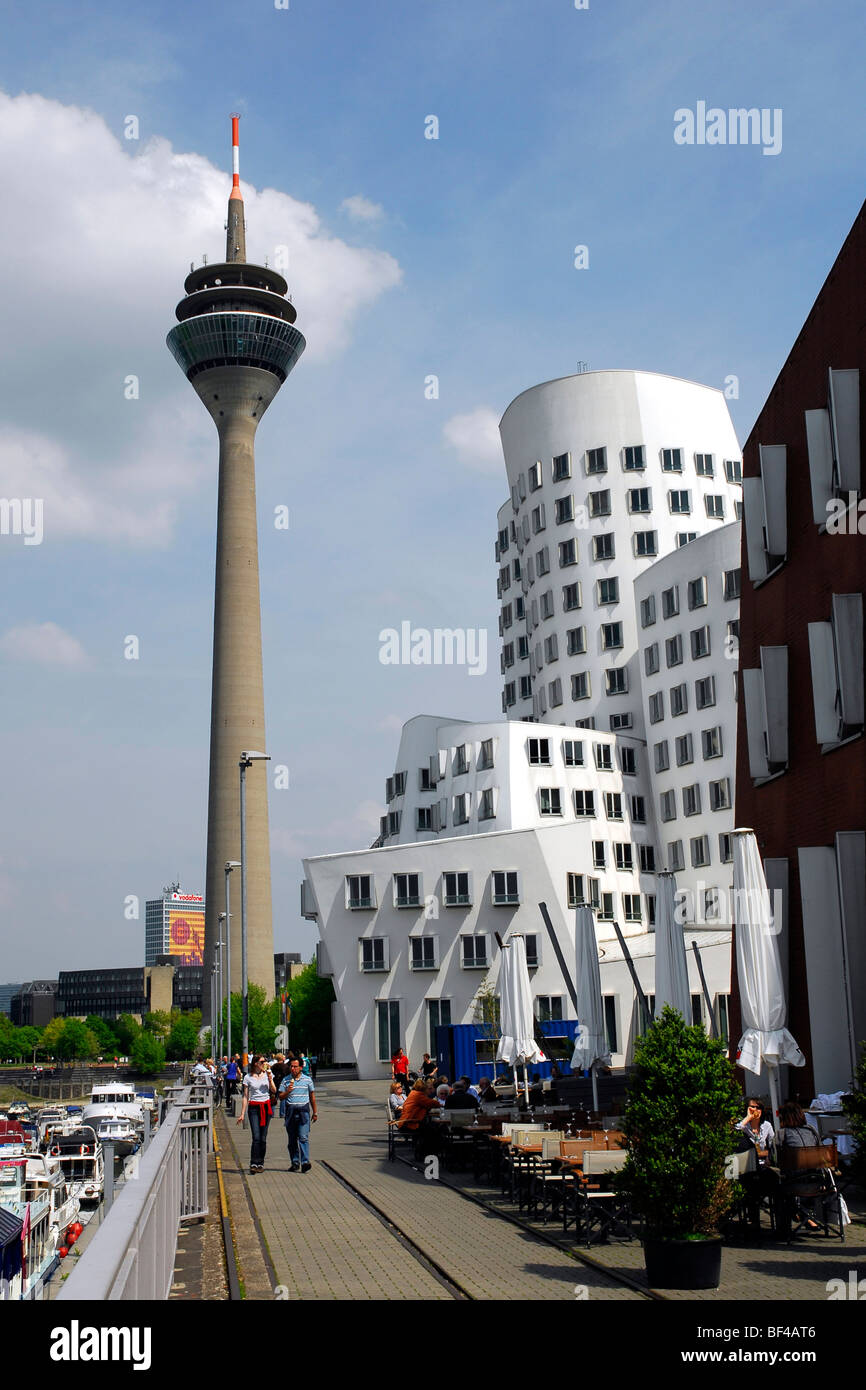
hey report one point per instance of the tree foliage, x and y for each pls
(127, 1030)
(158, 1022)
(182, 1042)
(148, 1054)
(104, 1034)
(310, 1018)
(855, 1108)
(682, 1106)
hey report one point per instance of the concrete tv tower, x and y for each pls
(237, 343)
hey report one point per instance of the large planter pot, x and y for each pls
(683, 1264)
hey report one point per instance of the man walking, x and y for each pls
(299, 1094)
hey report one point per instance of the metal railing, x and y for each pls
(132, 1256)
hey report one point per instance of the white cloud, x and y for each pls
(107, 232)
(361, 209)
(392, 723)
(45, 643)
(475, 437)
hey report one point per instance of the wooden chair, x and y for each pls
(807, 1175)
(605, 1211)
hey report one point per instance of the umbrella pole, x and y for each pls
(773, 1077)
(594, 1088)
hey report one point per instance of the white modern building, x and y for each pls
(608, 471)
(618, 580)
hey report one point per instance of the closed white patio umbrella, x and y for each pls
(766, 1041)
(516, 1020)
(590, 1044)
(671, 969)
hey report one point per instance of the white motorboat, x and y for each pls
(78, 1150)
(30, 1241)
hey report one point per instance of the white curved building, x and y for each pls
(608, 471)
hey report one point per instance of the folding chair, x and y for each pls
(605, 1211)
(807, 1176)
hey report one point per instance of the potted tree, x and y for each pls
(682, 1104)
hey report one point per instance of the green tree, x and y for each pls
(683, 1102)
(10, 1044)
(76, 1041)
(127, 1030)
(49, 1043)
(182, 1042)
(158, 1023)
(264, 1016)
(310, 1020)
(29, 1039)
(104, 1034)
(855, 1107)
(148, 1054)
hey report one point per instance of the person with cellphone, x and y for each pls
(299, 1094)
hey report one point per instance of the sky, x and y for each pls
(409, 258)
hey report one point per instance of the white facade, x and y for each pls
(607, 472)
(687, 607)
(409, 929)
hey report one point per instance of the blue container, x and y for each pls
(468, 1049)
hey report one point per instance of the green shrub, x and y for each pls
(855, 1108)
(682, 1106)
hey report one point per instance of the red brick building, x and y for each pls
(801, 754)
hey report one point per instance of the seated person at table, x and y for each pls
(757, 1131)
(396, 1099)
(443, 1091)
(460, 1099)
(417, 1106)
(486, 1093)
(795, 1132)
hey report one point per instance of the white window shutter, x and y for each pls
(774, 667)
(820, 446)
(753, 510)
(824, 682)
(774, 470)
(847, 613)
(845, 424)
(753, 695)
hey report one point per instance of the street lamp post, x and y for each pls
(246, 760)
(230, 864)
(220, 980)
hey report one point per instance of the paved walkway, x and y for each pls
(359, 1227)
(326, 1240)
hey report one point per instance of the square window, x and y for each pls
(506, 615)
(596, 461)
(697, 593)
(613, 805)
(676, 859)
(692, 800)
(603, 547)
(567, 553)
(720, 795)
(574, 890)
(704, 465)
(539, 752)
(680, 502)
(711, 739)
(731, 584)
(657, 707)
(638, 810)
(651, 659)
(616, 680)
(473, 950)
(561, 468)
(647, 859)
(599, 503)
(628, 762)
(572, 752)
(631, 907)
(461, 760)
(686, 537)
(700, 851)
(672, 460)
(462, 805)
(623, 857)
(564, 509)
(668, 803)
(634, 458)
(734, 470)
(715, 508)
(542, 561)
(671, 602)
(505, 888)
(487, 804)
(424, 953)
(679, 700)
(611, 636)
(584, 803)
(456, 888)
(571, 597)
(620, 721)
(674, 651)
(705, 692)
(424, 818)
(519, 609)
(485, 755)
(550, 801)
(580, 686)
(685, 750)
(359, 891)
(661, 756)
(547, 604)
(538, 522)
(639, 499)
(605, 909)
(645, 543)
(726, 848)
(374, 954)
(700, 641)
(648, 611)
(608, 591)
(603, 757)
(575, 639)
(525, 688)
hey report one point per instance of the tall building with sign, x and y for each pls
(236, 342)
(174, 925)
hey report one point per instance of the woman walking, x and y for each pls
(258, 1091)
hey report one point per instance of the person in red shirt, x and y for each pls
(400, 1068)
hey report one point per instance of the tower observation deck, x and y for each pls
(236, 343)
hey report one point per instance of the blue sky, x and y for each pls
(453, 257)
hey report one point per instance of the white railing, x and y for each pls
(133, 1253)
